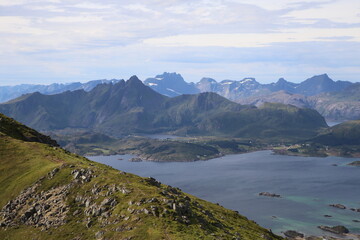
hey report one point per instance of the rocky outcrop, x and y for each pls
(356, 163)
(135, 159)
(82, 175)
(291, 234)
(267, 194)
(355, 209)
(336, 229)
(338, 205)
(45, 209)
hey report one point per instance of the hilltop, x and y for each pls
(49, 193)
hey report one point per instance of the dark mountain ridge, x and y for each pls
(131, 107)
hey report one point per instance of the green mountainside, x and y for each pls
(347, 133)
(49, 193)
(340, 140)
(131, 107)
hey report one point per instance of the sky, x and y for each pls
(62, 41)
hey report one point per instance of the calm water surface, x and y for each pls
(307, 186)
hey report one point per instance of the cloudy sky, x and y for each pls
(68, 40)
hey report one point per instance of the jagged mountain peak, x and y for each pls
(171, 84)
(169, 76)
(281, 80)
(134, 80)
(319, 78)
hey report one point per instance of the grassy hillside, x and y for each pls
(12, 128)
(48, 193)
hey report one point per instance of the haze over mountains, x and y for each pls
(335, 100)
(11, 92)
(129, 107)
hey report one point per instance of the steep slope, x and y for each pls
(171, 85)
(319, 84)
(10, 127)
(131, 107)
(10, 92)
(48, 193)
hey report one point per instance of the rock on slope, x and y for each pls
(48, 193)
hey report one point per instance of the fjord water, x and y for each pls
(307, 186)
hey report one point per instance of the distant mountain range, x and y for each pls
(11, 92)
(335, 106)
(172, 84)
(335, 100)
(131, 107)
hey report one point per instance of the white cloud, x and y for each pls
(140, 7)
(71, 33)
(344, 11)
(23, 2)
(91, 5)
(75, 19)
(19, 25)
(279, 4)
(12, 2)
(255, 40)
(48, 8)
